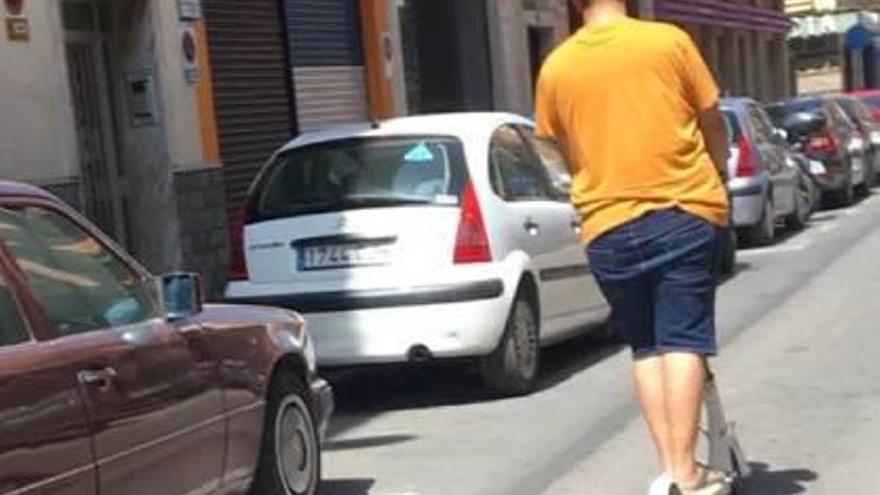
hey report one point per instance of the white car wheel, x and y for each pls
(513, 368)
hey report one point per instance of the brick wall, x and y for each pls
(204, 238)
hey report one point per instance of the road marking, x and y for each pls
(824, 228)
(787, 247)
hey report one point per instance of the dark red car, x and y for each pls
(113, 381)
(871, 97)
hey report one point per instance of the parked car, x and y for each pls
(115, 381)
(860, 115)
(444, 236)
(871, 98)
(808, 181)
(762, 177)
(820, 129)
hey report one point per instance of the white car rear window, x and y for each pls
(362, 173)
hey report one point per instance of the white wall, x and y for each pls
(510, 50)
(510, 56)
(563, 26)
(37, 135)
(179, 98)
(398, 70)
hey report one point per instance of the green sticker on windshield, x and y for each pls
(420, 153)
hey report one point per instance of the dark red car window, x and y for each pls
(12, 329)
(81, 285)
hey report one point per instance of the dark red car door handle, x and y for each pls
(97, 377)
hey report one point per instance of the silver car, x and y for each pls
(763, 176)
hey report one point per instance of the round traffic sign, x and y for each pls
(14, 7)
(189, 47)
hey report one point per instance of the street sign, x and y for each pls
(190, 56)
(18, 29)
(14, 7)
(189, 10)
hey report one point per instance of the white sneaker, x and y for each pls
(711, 483)
(717, 488)
(662, 485)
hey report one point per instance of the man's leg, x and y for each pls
(685, 330)
(683, 379)
(652, 394)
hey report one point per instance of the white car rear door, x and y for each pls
(579, 291)
(535, 220)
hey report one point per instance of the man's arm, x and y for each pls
(704, 94)
(717, 141)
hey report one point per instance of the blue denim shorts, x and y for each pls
(659, 274)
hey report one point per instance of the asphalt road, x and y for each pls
(799, 370)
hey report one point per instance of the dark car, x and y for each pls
(820, 129)
(859, 113)
(114, 381)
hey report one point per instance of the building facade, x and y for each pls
(835, 44)
(104, 103)
(744, 42)
(153, 116)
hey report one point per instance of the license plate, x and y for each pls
(817, 168)
(336, 256)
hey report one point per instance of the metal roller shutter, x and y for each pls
(252, 87)
(326, 54)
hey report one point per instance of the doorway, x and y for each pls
(85, 50)
(447, 60)
(541, 41)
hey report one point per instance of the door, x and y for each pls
(90, 96)
(149, 393)
(253, 94)
(534, 220)
(45, 446)
(574, 279)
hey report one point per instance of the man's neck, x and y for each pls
(604, 13)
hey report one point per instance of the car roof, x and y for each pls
(803, 99)
(463, 125)
(738, 102)
(17, 189)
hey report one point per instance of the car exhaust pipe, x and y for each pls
(419, 354)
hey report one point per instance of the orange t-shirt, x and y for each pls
(622, 101)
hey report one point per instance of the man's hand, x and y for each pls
(717, 141)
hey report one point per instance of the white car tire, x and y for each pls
(764, 232)
(513, 368)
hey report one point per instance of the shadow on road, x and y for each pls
(366, 442)
(738, 268)
(346, 487)
(362, 392)
(764, 481)
(824, 217)
(563, 361)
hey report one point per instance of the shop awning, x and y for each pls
(722, 14)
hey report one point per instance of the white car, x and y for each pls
(440, 236)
